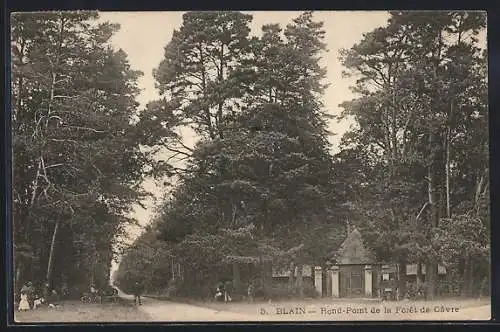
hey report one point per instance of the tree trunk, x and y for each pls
(447, 162)
(206, 110)
(267, 275)
(236, 278)
(447, 169)
(471, 278)
(431, 268)
(219, 116)
(465, 276)
(35, 183)
(17, 278)
(402, 279)
(291, 278)
(479, 189)
(52, 252)
(419, 274)
(431, 274)
(268, 269)
(300, 281)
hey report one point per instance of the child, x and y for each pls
(23, 304)
(220, 292)
(29, 291)
(38, 302)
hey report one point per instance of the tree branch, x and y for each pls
(64, 140)
(421, 211)
(177, 151)
(182, 144)
(87, 128)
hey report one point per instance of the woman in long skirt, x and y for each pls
(23, 304)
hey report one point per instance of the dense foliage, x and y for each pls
(76, 168)
(412, 173)
(420, 145)
(260, 187)
(261, 165)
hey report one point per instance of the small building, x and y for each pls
(354, 272)
(351, 271)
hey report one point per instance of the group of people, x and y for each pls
(31, 299)
(222, 292)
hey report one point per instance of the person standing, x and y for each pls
(52, 298)
(29, 291)
(251, 290)
(46, 290)
(23, 304)
(228, 291)
(220, 292)
(64, 290)
(137, 293)
(94, 293)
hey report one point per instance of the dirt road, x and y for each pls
(167, 311)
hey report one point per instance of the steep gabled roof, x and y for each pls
(353, 250)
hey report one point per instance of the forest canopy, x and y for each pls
(261, 188)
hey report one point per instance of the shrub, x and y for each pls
(309, 290)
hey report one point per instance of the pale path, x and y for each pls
(168, 311)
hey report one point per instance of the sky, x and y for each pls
(143, 36)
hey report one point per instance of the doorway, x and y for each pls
(352, 281)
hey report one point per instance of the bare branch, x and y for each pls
(178, 139)
(62, 96)
(97, 169)
(86, 128)
(177, 151)
(54, 165)
(421, 210)
(64, 140)
(35, 186)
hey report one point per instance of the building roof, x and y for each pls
(353, 250)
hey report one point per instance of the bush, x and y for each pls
(173, 288)
(485, 289)
(279, 293)
(309, 290)
(449, 287)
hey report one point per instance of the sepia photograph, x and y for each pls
(237, 166)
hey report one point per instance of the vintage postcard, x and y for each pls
(250, 166)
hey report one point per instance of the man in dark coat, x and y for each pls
(138, 289)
